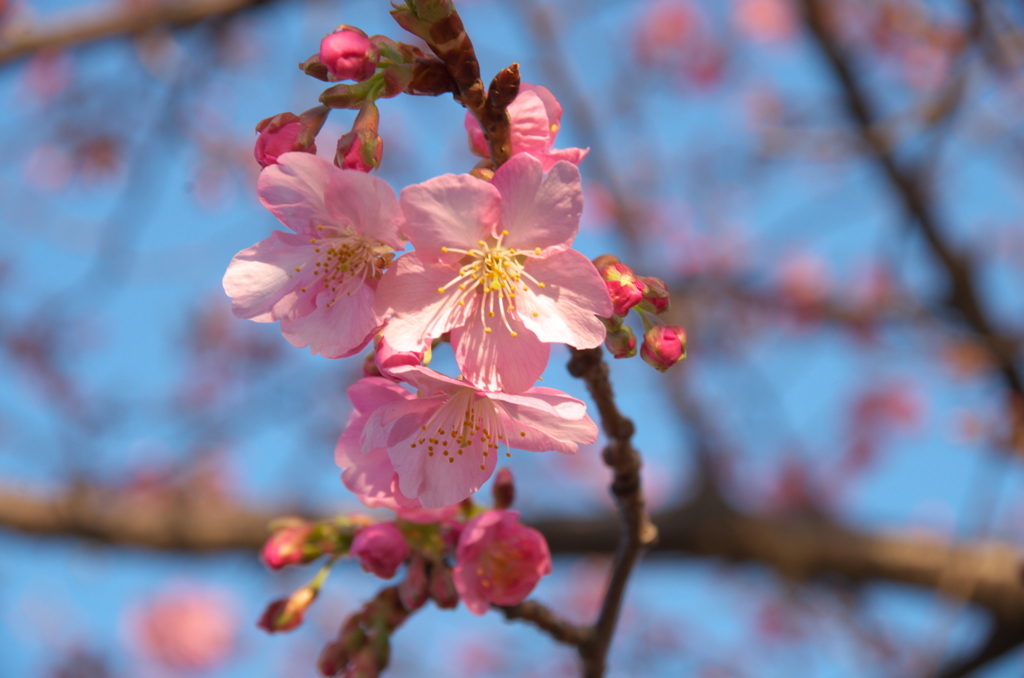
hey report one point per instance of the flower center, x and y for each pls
(342, 262)
(466, 424)
(504, 563)
(490, 276)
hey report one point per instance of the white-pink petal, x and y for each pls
(294, 188)
(449, 211)
(569, 306)
(495, 360)
(260, 276)
(539, 210)
(339, 326)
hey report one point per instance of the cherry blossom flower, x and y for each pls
(381, 548)
(444, 445)
(370, 476)
(186, 628)
(499, 561)
(493, 265)
(319, 281)
(536, 117)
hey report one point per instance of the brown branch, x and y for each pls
(637, 531)
(962, 292)
(101, 22)
(546, 620)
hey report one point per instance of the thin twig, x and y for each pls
(546, 620)
(638, 532)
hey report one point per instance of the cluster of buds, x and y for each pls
(663, 345)
(363, 646)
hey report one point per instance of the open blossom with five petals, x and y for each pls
(320, 280)
(493, 265)
(535, 117)
(445, 444)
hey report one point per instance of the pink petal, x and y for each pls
(339, 329)
(372, 478)
(568, 307)
(396, 422)
(260, 276)
(371, 393)
(449, 211)
(419, 313)
(555, 155)
(551, 105)
(427, 380)
(467, 583)
(538, 210)
(366, 204)
(544, 430)
(531, 129)
(294, 188)
(497, 361)
(477, 141)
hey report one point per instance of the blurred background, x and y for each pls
(831, 189)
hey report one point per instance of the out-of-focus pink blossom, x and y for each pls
(444, 445)
(771, 21)
(804, 280)
(624, 287)
(536, 290)
(381, 548)
(536, 117)
(663, 346)
(186, 628)
(348, 55)
(499, 561)
(319, 281)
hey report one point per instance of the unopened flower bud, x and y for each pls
(442, 588)
(348, 54)
(413, 589)
(664, 346)
(624, 286)
(656, 299)
(362, 148)
(381, 548)
(333, 658)
(621, 342)
(285, 547)
(287, 613)
(504, 489)
(288, 132)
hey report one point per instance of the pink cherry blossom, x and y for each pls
(499, 561)
(320, 280)
(493, 265)
(185, 628)
(536, 117)
(381, 548)
(444, 445)
(285, 546)
(370, 476)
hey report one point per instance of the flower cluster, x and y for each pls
(491, 271)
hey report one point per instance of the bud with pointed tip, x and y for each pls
(348, 54)
(287, 613)
(362, 148)
(504, 489)
(664, 346)
(656, 299)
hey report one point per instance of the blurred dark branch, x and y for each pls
(110, 20)
(962, 293)
(545, 619)
(800, 548)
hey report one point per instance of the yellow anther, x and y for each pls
(511, 307)
(504, 232)
(440, 290)
(444, 249)
(514, 334)
(312, 240)
(490, 313)
(462, 302)
(536, 314)
(298, 268)
(482, 467)
(487, 330)
(319, 228)
(522, 433)
(536, 250)
(541, 285)
(553, 128)
(481, 243)
(462, 287)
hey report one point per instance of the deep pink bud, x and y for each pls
(287, 613)
(348, 54)
(499, 561)
(381, 548)
(285, 547)
(288, 132)
(625, 288)
(442, 588)
(664, 346)
(656, 298)
(621, 342)
(413, 589)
